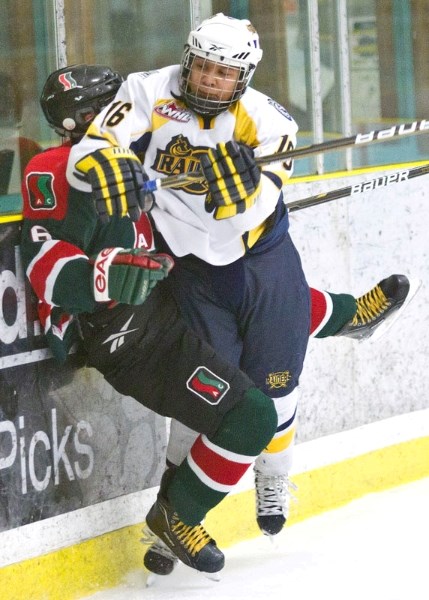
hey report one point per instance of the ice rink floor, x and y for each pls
(375, 548)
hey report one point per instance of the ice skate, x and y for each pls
(379, 308)
(192, 545)
(273, 495)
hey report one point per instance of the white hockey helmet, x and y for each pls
(225, 40)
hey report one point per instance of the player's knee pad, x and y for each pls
(249, 426)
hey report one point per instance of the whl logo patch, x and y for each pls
(207, 385)
(170, 110)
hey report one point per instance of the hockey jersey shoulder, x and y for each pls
(265, 110)
(44, 187)
(150, 88)
(264, 124)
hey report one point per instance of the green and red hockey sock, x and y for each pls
(216, 463)
(330, 312)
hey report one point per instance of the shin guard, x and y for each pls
(214, 465)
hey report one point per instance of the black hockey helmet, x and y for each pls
(10, 102)
(74, 95)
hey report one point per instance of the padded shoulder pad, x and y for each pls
(45, 188)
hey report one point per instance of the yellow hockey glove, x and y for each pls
(116, 176)
(233, 179)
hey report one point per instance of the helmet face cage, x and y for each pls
(73, 96)
(233, 45)
(198, 97)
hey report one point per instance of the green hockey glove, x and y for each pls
(116, 176)
(233, 179)
(128, 276)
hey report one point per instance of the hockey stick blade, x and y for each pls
(352, 190)
(361, 139)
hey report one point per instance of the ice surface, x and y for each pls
(374, 548)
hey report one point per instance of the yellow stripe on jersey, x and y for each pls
(255, 234)
(94, 132)
(281, 174)
(245, 130)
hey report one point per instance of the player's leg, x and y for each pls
(168, 369)
(369, 315)
(204, 296)
(158, 558)
(276, 312)
(331, 314)
(253, 300)
(274, 489)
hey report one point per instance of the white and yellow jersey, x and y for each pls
(148, 115)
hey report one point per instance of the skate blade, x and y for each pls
(387, 324)
(151, 580)
(148, 536)
(211, 576)
(274, 542)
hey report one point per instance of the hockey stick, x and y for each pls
(366, 186)
(361, 139)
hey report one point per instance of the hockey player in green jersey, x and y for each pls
(107, 277)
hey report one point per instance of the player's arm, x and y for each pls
(52, 250)
(276, 132)
(116, 177)
(103, 163)
(59, 272)
(284, 168)
(62, 275)
(56, 262)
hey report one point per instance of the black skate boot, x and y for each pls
(192, 545)
(379, 308)
(273, 494)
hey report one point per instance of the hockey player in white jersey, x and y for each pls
(238, 277)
